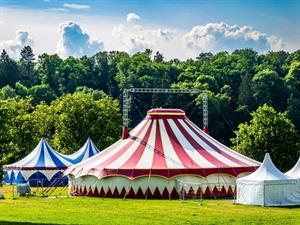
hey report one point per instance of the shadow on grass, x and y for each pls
(24, 223)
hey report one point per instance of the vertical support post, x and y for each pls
(205, 112)
(125, 133)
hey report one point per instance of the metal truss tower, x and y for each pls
(126, 102)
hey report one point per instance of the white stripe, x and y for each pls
(48, 160)
(138, 127)
(87, 154)
(33, 162)
(206, 147)
(189, 149)
(222, 147)
(168, 148)
(146, 160)
(99, 160)
(29, 158)
(128, 153)
(95, 158)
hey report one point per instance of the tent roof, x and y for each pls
(166, 143)
(266, 171)
(42, 157)
(295, 171)
(88, 150)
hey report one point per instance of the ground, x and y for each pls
(84, 210)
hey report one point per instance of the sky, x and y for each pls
(176, 28)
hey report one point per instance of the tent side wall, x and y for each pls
(250, 193)
(282, 193)
(35, 178)
(142, 187)
(269, 193)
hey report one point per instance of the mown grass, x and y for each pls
(84, 210)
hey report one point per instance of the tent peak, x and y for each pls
(267, 171)
(295, 171)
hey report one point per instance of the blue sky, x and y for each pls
(178, 28)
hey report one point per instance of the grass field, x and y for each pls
(84, 210)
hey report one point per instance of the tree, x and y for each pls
(292, 79)
(43, 121)
(8, 70)
(96, 94)
(49, 69)
(268, 132)
(245, 92)
(78, 116)
(269, 88)
(42, 92)
(7, 92)
(158, 57)
(17, 137)
(27, 64)
(275, 61)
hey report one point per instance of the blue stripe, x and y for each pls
(41, 160)
(57, 162)
(20, 179)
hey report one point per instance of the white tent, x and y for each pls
(295, 171)
(268, 186)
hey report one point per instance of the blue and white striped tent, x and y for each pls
(88, 150)
(44, 166)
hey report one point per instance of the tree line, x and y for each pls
(254, 99)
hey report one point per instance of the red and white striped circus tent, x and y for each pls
(166, 147)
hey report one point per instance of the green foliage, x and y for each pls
(16, 138)
(269, 132)
(79, 116)
(26, 66)
(269, 88)
(97, 94)
(42, 92)
(7, 92)
(8, 70)
(66, 123)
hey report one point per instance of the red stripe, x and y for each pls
(136, 156)
(101, 154)
(198, 147)
(109, 149)
(185, 159)
(213, 146)
(159, 162)
(122, 150)
(219, 145)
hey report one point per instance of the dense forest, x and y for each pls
(254, 99)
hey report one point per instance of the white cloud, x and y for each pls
(14, 46)
(58, 9)
(76, 6)
(132, 17)
(275, 43)
(74, 42)
(221, 36)
(134, 38)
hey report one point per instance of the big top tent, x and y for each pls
(164, 148)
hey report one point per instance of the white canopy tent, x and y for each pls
(295, 171)
(268, 186)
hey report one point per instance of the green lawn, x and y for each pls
(83, 210)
